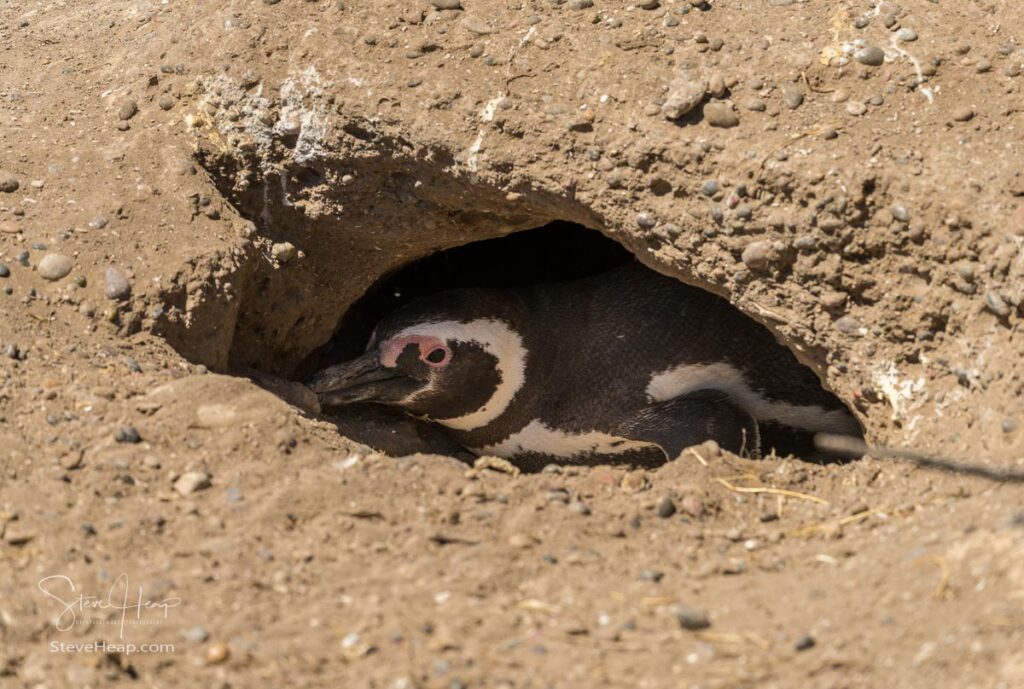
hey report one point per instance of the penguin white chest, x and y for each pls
(538, 438)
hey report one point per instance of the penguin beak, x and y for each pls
(360, 380)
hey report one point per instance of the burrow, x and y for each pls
(334, 243)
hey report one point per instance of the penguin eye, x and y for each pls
(438, 355)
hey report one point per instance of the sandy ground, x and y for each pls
(192, 191)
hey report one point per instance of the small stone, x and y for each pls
(8, 182)
(833, 300)
(982, 66)
(217, 653)
(477, 26)
(581, 4)
(98, 223)
(127, 434)
(649, 4)
(805, 642)
(1009, 426)
(686, 91)
(716, 85)
(166, 102)
(196, 635)
(829, 134)
(755, 105)
(55, 266)
(476, 50)
(17, 534)
(117, 285)
(692, 505)
(995, 304)
(963, 113)
(709, 188)
(233, 494)
(792, 96)
(645, 221)
(906, 34)
(446, 4)
(720, 115)
(691, 618)
(856, 108)
(847, 324)
(756, 255)
(900, 212)
(191, 481)
(652, 575)
(283, 252)
(666, 508)
(873, 56)
(127, 110)
(4, 270)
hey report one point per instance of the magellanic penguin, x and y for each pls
(628, 366)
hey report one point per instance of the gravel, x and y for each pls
(906, 34)
(4, 270)
(117, 285)
(805, 642)
(127, 110)
(963, 113)
(873, 56)
(720, 115)
(127, 434)
(8, 182)
(691, 618)
(792, 96)
(755, 255)
(55, 266)
(192, 481)
(666, 508)
(900, 212)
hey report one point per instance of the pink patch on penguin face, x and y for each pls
(432, 350)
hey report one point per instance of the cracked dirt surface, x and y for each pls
(249, 169)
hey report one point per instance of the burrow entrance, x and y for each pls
(556, 252)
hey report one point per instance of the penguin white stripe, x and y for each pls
(685, 378)
(501, 342)
(537, 437)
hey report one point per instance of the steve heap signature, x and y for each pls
(121, 598)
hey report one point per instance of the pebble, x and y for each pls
(963, 113)
(127, 434)
(196, 635)
(709, 188)
(755, 105)
(446, 4)
(8, 182)
(666, 508)
(856, 108)
(720, 115)
(995, 304)
(982, 66)
(755, 255)
(55, 266)
(906, 34)
(4, 270)
(165, 102)
(217, 653)
(805, 642)
(900, 212)
(127, 110)
(1009, 426)
(98, 223)
(691, 618)
(283, 252)
(645, 221)
(873, 56)
(792, 96)
(477, 26)
(117, 285)
(581, 4)
(476, 50)
(686, 91)
(847, 324)
(652, 575)
(191, 481)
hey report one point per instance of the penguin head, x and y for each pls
(458, 372)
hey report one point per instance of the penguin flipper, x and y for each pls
(693, 418)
